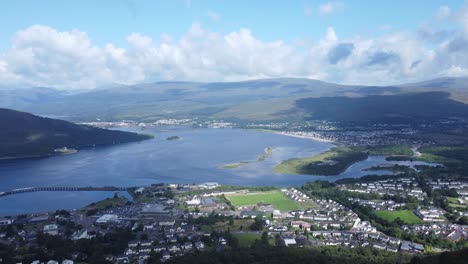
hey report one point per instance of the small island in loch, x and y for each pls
(65, 151)
(174, 138)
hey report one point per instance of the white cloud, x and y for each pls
(330, 7)
(44, 56)
(214, 16)
(443, 12)
(139, 41)
(456, 71)
(330, 36)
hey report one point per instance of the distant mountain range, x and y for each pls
(25, 135)
(257, 100)
(405, 108)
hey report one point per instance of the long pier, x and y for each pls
(63, 189)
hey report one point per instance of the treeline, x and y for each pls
(285, 255)
(456, 257)
(322, 255)
(453, 158)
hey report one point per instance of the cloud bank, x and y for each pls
(43, 56)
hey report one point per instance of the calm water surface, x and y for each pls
(194, 159)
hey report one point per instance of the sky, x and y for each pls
(90, 44)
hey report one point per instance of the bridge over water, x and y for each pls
(61, 189)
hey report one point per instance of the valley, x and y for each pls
(377, 166)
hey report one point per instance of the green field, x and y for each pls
(234, 165)
(405, 215)
(105, 204)
(237, 225)
(455, 204)
(248, 239)
(276, 198)
(331, 162)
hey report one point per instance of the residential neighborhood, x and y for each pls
(169, 220)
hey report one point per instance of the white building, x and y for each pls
(51, 229)
(107, 218)
(289, 241)
(5, 221)
(193, 202)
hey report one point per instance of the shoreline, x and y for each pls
(304, 136)
(74, 151)
(28, 157)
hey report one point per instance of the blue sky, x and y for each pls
(112, 21)
(306, 30)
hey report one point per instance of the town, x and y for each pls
(166, 221)
(330, 131)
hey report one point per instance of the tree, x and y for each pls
(265, 238)
(234, 242)
(463, 220)
(258, 224)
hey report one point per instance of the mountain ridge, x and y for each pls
(271, 98)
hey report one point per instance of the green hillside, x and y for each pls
(402, 108)
(26, 135)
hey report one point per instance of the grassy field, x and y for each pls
(276, 198)
(105, 204)
(234, 165)
(109, 203)
(248, 239)
(331, 162)
(237, 225)
(293, 166)
(455, 204)
(406, 215)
